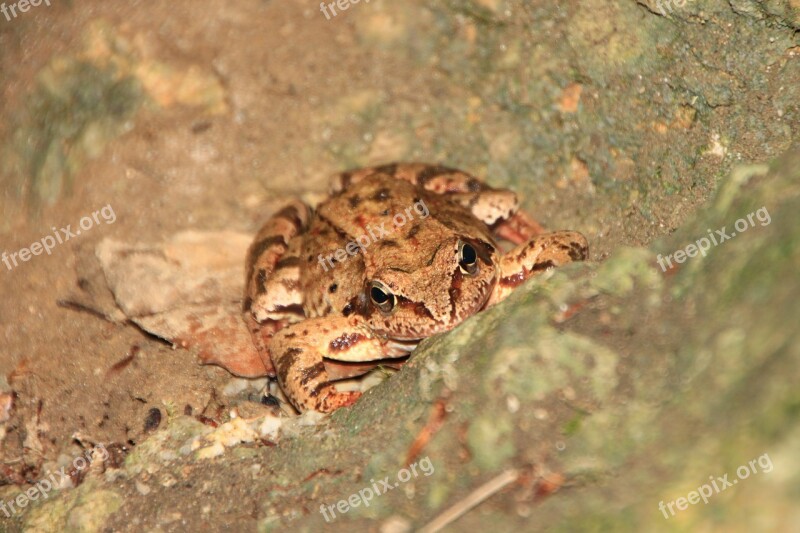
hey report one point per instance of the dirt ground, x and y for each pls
(615, 121)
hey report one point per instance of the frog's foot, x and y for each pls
(298, 352)
(518, 228)
(538, 254)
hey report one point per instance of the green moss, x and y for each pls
(75, 109)
(489, 441)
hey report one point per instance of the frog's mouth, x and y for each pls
(338, 370)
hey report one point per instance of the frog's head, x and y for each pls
(432, 290)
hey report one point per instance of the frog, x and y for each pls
(397, 253)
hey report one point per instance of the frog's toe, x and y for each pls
(334, 399)
(319, 396)
(518, 228)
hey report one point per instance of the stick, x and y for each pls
(475, 498)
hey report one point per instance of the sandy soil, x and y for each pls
(301, 98)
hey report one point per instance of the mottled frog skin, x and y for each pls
(396, 254)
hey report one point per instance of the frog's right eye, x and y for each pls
(467, 258)
(381, 297)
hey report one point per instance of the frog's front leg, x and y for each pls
(298, 351)
(538, 254)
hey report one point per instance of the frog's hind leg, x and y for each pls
(535, 256)
(271, 298)
(434, 178)
(497, 208)
(298, 352)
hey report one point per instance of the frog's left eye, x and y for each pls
(467, 258)
(381, 297)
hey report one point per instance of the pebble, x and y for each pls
(142, 488)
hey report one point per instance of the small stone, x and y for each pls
(235, 386)
(152, 420)
(168, 455)
(209, 452)
(142, 488)
(270, 427)
(512, 403)
(395, 524)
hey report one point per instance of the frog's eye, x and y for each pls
(380, 295)
(467, 258)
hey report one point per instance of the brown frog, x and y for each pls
(397, 253)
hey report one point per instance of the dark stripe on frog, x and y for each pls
(286, 262)
(257, 249)
(261, 282)
(390, 169)
(247, 304)
(433, 255)
(312, 373)
(354, 201)
(474, 185)
(431, 172)
(455, 291)
(413, 231)
(485, 251)
(293, 309)
(578, 252)
(292, 214)
(357, 304)
(382, 194)
(473, 200)
(318, 388)
(346, 341)
(346, 178)
(388, 244)
(513, 280)
(285, 363)
(418, 308)
(516, 279)
(544, 265)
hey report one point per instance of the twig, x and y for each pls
(475, 498)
